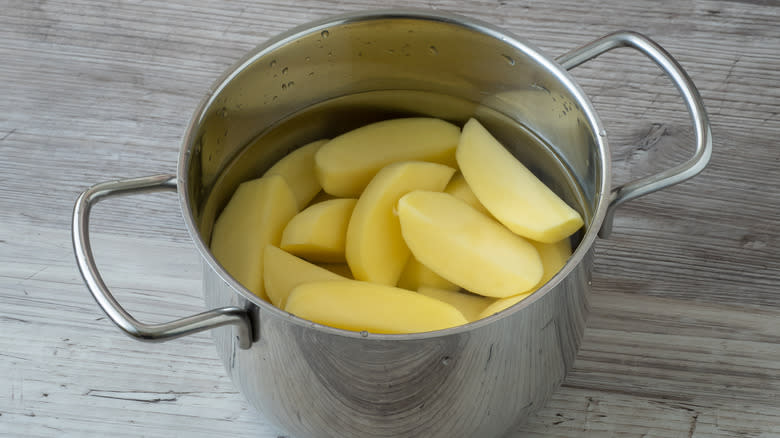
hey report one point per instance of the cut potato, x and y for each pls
(361, 306)
(283, 272)
(297, 168)
(338, 268)
(470, 305)
(318, 233)
(466, 247)
(554, 257)
(375, 248)
(459, 188)
(253, 218)
(504, 303)
(320, 197)
(346, 164)
(416, 275)
(512, 194)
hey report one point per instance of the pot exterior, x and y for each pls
(475, 383)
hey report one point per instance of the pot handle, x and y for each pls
(132, 327)
(693, 101)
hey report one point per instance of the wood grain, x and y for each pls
(684, 338)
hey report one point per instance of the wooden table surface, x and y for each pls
(684, 335)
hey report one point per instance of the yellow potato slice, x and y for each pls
(253, 218)
(283, 272)
(466, 247)
(470, 305)
(338, 268)
(416, 275)
(318, 233)
(504, 303)
(362, 306)
(554, 257)
(320, 197)
(346, 164)
(375, 248)
(297, 168)
(459, 188)
(512, 194)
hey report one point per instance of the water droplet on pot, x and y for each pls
(284, 87)
(273, 63)
(285, 70)
(391, 51)
(603, 133)
(434, 51)
(325, 33)
(290, 84)
(509, 59)
(445, 360)
(274, 98)
(311, 73)
(223, 112)
(308, 58)
(364, 334)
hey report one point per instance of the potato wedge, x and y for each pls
(504, 303)
(346, 164)
(466, 247)
(362, 306)
(375, 248)
(283, 272)
(510, 192)
(321, 196)
(297, 168)
(253, 218)
(416, 275)
(339, 269)
(554, 257)
(470, 305)
(318, 233)
(459, 188)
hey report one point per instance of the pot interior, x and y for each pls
(342, 73)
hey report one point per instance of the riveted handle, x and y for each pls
(701, 123)
(145, 332)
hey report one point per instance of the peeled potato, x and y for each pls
(319, 232)
(253, 218)
(375, 248)
(297, 168)
(512, 194)
(459, 188)
(471, 306)
(283, 272)
(361, 306)
(338, 268)
(554, 257)
(321, 196)
(504, 303)
(466, 247)
(416, 275)
(346, 164)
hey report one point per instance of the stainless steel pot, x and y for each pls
(330, 76)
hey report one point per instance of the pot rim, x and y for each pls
(262, 50)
